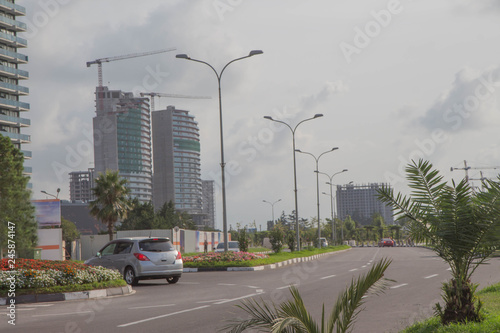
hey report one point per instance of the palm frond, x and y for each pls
(348, 304)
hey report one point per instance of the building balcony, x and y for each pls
(14, 72)
(12, 8)
(11, 24)
(13, 41)
(14, 105)
(27, 154)
(13, 89)
(17, 137)
(14, 57)
(21, 122)
(28, 170)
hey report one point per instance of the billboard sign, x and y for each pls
(47, 212)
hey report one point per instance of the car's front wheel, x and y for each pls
(129, 276)
(172, 279)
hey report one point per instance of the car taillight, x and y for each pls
(141, 257)
(178, 256)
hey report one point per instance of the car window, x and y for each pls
(155, 245)
(108, 250)
(220, 245)
(123, 248)
(233, 245)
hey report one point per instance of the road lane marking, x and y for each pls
(253, 287)
(150, 306)
(226, 284)
(431, 276)
(327, 277)
(237, 298)
(163, 316)
(363, 266)
(62, 314)
(448, 269)
(399, 285)
(352, 270)
(286, 287)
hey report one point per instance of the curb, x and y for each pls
(260, 268)
(76, 295)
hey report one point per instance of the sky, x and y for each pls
(395, 81)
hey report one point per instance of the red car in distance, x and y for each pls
(386, 242)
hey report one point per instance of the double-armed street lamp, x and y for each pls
(55, 196)
(317, 184)
(331, 200)
(222, 163)
(295, 169)
(272, 206)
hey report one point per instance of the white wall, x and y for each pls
(50, 241)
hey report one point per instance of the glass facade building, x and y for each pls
(122, 140)
(177, 167)
(12, 109)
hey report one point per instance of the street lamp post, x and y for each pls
(55, 196)
(295, 168)
(317, 184)
(222, 163)
(331, 201)
(272, 206)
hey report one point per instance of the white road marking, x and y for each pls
(363, 266)
(237, 298)
(327, 277)
(399, 285)
(352, 270)
(150, 306)
(226, 284)
(448, 269)
(252, 287)
(286, 287)
(62, 314)
(212, 301)
(431, 276)
(163, 316)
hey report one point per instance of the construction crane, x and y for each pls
(127, 56)
(156, 94)
(466, 168)
(109, 59)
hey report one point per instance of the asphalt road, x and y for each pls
(204, 301)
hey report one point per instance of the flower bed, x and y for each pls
(220, 257)
(33, 273)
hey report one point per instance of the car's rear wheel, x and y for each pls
(129, 276)
(172, 279)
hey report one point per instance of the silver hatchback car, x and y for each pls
(141, 258)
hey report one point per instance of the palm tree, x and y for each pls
(292, 315)
(458, 222)
(112, 202)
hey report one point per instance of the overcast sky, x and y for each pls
(395, 80)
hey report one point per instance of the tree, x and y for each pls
(292, 315)
(141, 216)
(69, 231)
(169, 218)
(112, 202)
(243, 240)
(16, 210)
(460, 224)
(276, 237)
